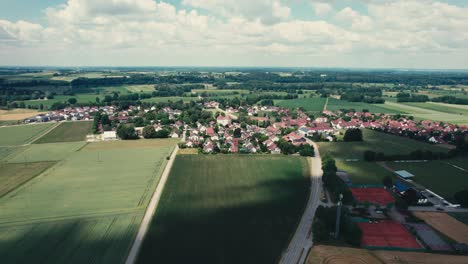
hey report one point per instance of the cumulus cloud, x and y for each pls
(231, 32)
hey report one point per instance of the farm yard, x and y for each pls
(255, 201)
(378, 142)
(17, 135)
(438, 176)
(95, 198)
(67, 132)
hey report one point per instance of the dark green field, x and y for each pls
(67, 132)
(363, 172)
(227, 209)
(13, 175)
(309, 104)
(335, 105)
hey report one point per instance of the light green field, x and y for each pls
(455, 114)
(13, 175)
(140, 88)
(87, 207)
(438, 176)
(45, 152)
(444, 108)
(81, 98)
(362, 172)
(309, 104)
(67, 132)
(17, 135)
(7, 151)
(226, 208)
(170, 98)
(335, 105)
(378, 142)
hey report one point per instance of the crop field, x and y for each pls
(13, 175)
(17, 114)
(335, 104)
(309, 104)
(140, 88)
(7, 151)
(45, 152)
(432, 111)
(67, 132)
(227, 209)
(378, 142)
(95, 199)
(170, 98)
(81, 98)
(444, 108)
(17, 135)
(438, 176)
(362, 172)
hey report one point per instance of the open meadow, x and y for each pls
(363, 172)
(67, 132)
(439, 176)
(378, 142)
(227, 209)
(335, 105)
(314, 104)
(88, 206)
(17, 135)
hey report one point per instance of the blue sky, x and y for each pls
(346, 33)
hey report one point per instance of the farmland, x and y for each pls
(309, 104)
(255, 201)
(17, 114)
(87, 207)
(45, 152)
(378, 142)
(67, 132)
(13, 175)
(335, 105)
(457, 114)
(17, 135)
(438, 176)
(362, 172)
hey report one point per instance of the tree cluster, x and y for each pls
(334, 184)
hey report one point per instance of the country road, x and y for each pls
(132, 256)
(301, 242)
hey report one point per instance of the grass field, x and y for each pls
(7, 151)
(438, 176)
(455, 114)
(87, 207)
(309, 104)
(67, 132)
(17, 135)
(362, 172)
(45, 152)
(335, 104)
(376, 141)
(13, 175)
(227, 209)
(81, 98)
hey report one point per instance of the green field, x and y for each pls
(456, 114)
(7, 151)
(17, 135)
(227, 209)
(309, 104)
(87, 207)
(438, 176)
(462, 217)
(45, 152)
(362, 172)
(335, 105)
(67, 132)
(378, 142)
(13, 175)
(170, 98)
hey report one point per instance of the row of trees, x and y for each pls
(334, 184)
(324, 225)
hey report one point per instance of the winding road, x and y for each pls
(301, 242)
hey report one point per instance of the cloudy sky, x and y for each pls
(312, 33)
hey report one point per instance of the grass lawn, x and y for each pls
(17, 135)
(362, 172)
(309, 104)
(227, 209)
(13, 175)
(87, 207)
(438, 176)
(376, 141)
(67, 132)
(335, 104)
(45, 152)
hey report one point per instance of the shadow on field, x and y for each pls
(62, 242)
(255, 230)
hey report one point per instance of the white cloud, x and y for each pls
(357, 21)
(322, 9)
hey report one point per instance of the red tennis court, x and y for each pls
(372, 195)
(387, 233)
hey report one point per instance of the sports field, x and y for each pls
(445, 224)
(67, 132)
(45, 152)
(87, 207)
(438, 176)
(363, 172)
(17, 135)
(309, 104)
(227, 209)
(378, 142)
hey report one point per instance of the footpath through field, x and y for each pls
(301, 243)
(132, 256)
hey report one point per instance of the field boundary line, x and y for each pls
(34, 139)
(151, 209)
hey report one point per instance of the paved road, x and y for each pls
(132, 256)
(301, 243)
